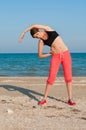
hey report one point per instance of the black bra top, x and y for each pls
(51, 37)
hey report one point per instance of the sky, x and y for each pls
(67, 17)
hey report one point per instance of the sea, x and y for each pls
(28, 64)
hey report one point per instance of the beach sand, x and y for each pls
(19, 110)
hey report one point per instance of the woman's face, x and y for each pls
(38, 35)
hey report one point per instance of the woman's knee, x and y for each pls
(68, 79)
(51, 80)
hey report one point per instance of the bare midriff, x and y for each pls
(58, 46)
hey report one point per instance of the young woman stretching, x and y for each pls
(60, 55)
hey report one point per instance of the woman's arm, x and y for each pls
(40, 50)
(39, 26)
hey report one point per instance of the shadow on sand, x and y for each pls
(30, 93)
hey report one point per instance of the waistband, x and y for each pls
(61, 53)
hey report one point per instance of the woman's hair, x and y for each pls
(34, 31)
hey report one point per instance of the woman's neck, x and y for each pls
(45, 36)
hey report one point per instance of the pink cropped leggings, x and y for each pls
(57, 59)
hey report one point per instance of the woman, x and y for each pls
(60, 55)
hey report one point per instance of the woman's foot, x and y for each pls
(42, 102)
(71, 102)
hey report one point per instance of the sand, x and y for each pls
(19, 109)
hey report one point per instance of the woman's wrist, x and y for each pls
(24, 32)
(50, 52)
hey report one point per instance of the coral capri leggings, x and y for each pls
(57, 59)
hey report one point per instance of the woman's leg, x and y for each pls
(54, 67)
(47, 90)
(67, 67)
(69, 89)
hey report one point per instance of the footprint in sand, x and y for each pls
(51, 116)
(51, 106)
(3, 101)
(55, 107)
(60, 115)
(76, 111)
(83, 118)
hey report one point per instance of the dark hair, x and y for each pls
(34, 31)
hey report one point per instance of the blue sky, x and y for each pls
(67, 17)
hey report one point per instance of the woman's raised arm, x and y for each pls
(39, 26)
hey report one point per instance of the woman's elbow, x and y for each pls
(40, 56)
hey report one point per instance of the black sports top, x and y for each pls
(51, 37)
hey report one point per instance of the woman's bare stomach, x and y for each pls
(58, 46)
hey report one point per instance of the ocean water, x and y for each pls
(30, 65)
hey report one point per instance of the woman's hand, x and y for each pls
(22, 37)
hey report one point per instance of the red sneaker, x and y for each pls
(42, 102)
(70, 102)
